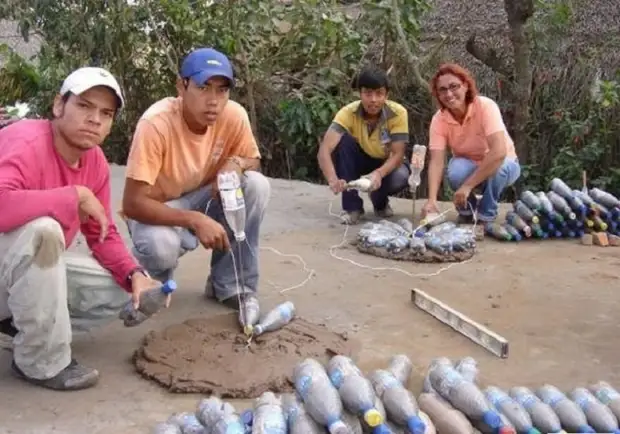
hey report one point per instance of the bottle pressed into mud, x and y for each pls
(276, 318)
(150, 303)
(249, 313)
(233, 202)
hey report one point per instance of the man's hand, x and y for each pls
(90, 206)
(5, 119)
(141, 283)
(229, 166)
(337, 185)
(430, 207)
(461, 195)
(211, 234)
(375, 180)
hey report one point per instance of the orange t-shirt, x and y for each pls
(167, 155)
(469, 140)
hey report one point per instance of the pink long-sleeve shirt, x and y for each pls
(36, 182)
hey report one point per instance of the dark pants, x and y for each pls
(352, 162)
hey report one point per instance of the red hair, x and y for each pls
(458, 71)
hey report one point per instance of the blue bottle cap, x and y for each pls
(169, 286)
(492, 420)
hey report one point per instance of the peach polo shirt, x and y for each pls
(469, 140)
(167, 155)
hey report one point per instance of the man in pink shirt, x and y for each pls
(483, 153)
(55, 181)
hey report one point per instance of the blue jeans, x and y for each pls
(351, 162)
(159, 248)
(459, 169)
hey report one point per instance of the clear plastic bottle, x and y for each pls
(269, 415)
(249, 314)
(275, 319)
(150, 303)
(233, 202)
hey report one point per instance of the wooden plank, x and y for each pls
(466, 326)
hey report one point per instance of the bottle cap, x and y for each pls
(169, 286)
(373, 418)
(248, 329)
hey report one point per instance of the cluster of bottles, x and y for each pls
(335, 398)
(252, 323)
(436, 235)
(559, 213)
(468, 408)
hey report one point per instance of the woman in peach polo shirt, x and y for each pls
(483, 153)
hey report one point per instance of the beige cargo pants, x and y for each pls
(51, 293)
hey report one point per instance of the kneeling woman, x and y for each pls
(483, 153)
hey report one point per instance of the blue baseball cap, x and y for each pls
(204, 63)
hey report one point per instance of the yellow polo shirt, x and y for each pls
(393, 126)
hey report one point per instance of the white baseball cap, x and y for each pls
(86, 78)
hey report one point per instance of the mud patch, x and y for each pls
(210, 356)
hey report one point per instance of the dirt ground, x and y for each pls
(555, 301)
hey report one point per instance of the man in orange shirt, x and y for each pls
(170, 200)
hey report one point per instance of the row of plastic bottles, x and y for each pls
(561, 212)
(397, 237)
(521, 410)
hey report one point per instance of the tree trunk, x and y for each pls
(518, 72)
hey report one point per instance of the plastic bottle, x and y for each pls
(298, 420)
(513, 232)
(547, 207)
(351, 421)
(468, 368)
(166, 428)
(598, 415)
(497, 231)
(515, 220)
(525, 212)
(542, 415)
(606, 199)
(571, 416)
(233, 202)
(398, 244)
(268, 415)
(355, 390)
(417, 165)
(609, 396)
(400, 367)
(406, 225)
(433, 219)
(150, 303)
(560, 205)
(209, 410)
(531, 200)
(249, 313)
(427, 387)
(228, 423)
(513, 411)
(187, 422)
(464, 396)
(445, 418)
(320, 397)
(400, 404)
(275, 318)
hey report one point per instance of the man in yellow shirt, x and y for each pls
(170, 200)
(367, 137)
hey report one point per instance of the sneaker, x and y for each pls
(73, 377)
(230, 302)
(7, 327)
(465, 219)
(385, 213)
(351, 217)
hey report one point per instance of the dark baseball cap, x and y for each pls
(204, 63)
